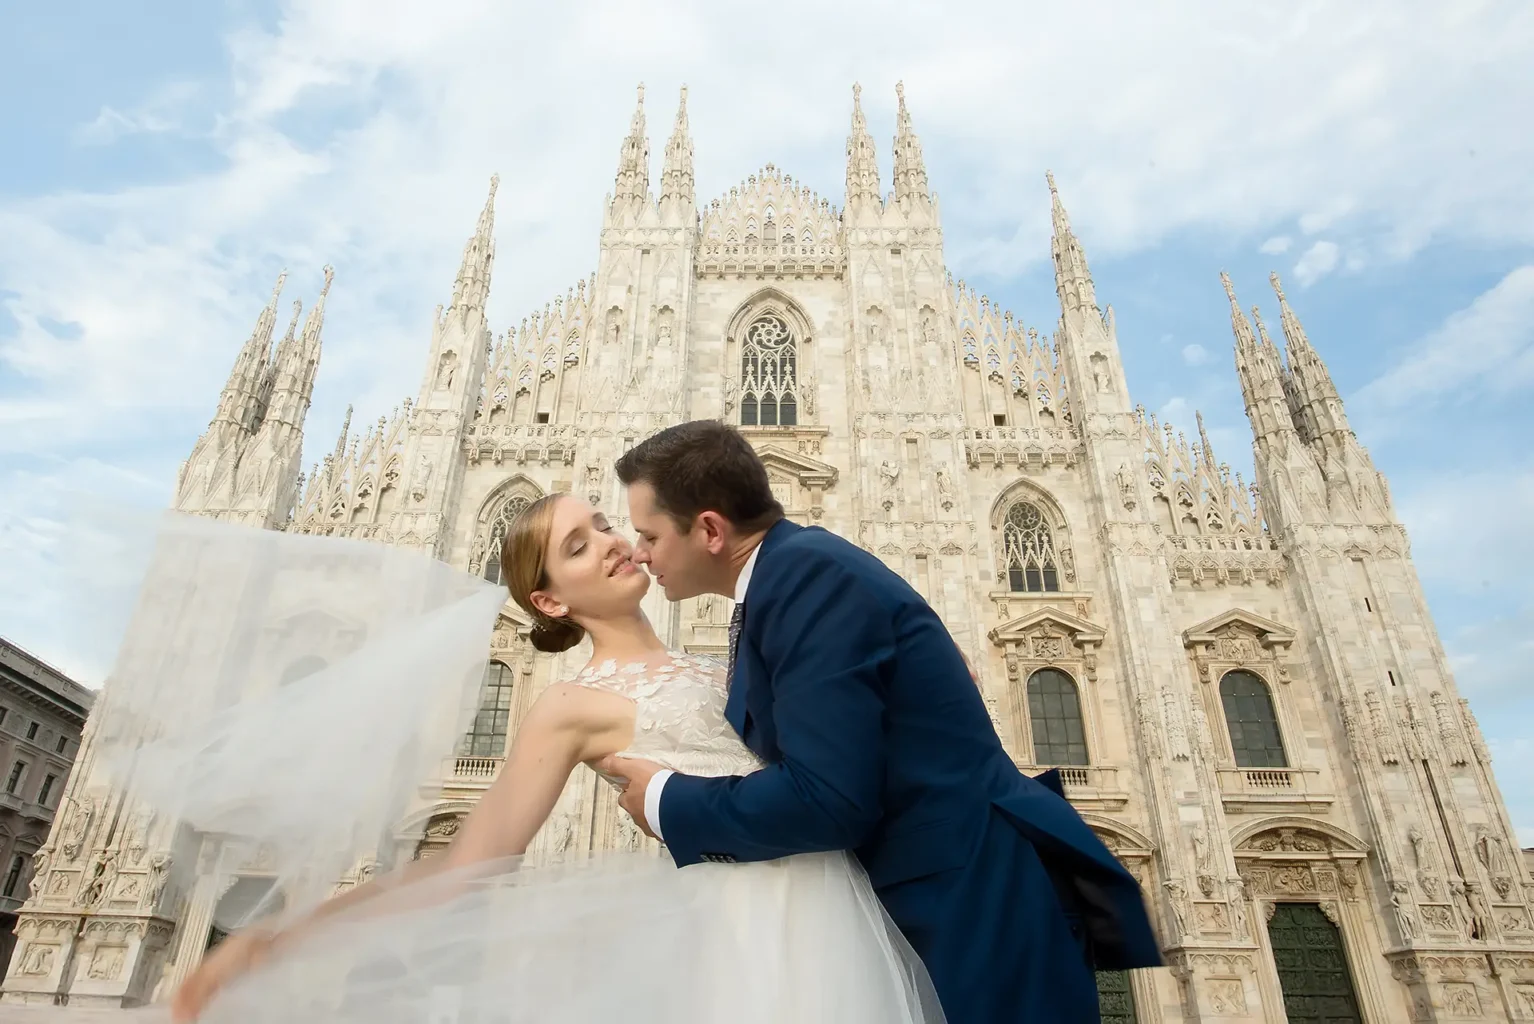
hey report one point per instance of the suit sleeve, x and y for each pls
(827, 645)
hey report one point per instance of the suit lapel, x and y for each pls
(743, 680)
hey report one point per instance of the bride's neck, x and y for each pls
(626, 639)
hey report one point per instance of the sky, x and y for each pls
(165, 161)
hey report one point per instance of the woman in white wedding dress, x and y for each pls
(472, 936)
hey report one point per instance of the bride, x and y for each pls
(478, 936)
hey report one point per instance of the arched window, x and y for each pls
(769, 373)
(487, 736)
(1029, 549)
(1054, 708)
(1252, 722)
(490, 552)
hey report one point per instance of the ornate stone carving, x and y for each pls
(1379, 725)
(1448, 730)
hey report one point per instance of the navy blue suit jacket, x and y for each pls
(877, 741)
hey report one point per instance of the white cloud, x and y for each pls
(167, 277)
(161, 112)
(1195, 354)
(1276, 246)
(1484, 349)
(361, 133)
(1318, 261)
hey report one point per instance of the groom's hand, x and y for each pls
(637, 775)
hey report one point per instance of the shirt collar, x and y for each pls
(743, 581)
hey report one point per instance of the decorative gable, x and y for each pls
(1047, 636)
(1239, 639)
(799, 482)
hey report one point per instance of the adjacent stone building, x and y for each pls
(1242, 684)
(42, 713)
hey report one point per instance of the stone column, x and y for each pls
(196, 922)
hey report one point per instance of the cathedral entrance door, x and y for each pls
(1115, 999)
(1312, 966)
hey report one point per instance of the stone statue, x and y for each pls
(1238, 907)
(944, 486)
(159, 877)
(419, 488)
(39, 870)
(1406, 919)
(1176, 894)
(445, 369)
(1490, 850)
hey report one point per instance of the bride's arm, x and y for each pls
(565, 727)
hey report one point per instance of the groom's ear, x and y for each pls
(714, 529)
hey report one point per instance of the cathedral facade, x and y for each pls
(1241, 685)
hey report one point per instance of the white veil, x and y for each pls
(287, 695)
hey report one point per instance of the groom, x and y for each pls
(848, 685)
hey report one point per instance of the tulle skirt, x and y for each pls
(622, 938)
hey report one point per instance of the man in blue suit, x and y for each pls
(877, 741)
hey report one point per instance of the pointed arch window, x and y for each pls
(1029, 547)
(1054, 710)
(486, 560)
(769, 372)
(1253, 724)
(487, 736)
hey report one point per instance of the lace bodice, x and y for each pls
(679, 714)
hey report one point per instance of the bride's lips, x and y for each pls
(623, 568)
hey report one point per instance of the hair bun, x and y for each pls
(551, 636)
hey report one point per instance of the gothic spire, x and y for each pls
(633, 183)
(472, 288)
(1073, 278)
(239, 403)
(291, 383)
(910, 169)
(862, 167)
(1260, 372)
(346, 428)
(1314, 393)
(676, 180)
(1204, 446)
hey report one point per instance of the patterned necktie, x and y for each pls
(737, 618)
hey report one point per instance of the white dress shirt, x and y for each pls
(658, 781)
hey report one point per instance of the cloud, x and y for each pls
(1485, 349)
(1318, 261)
(161, 112)
(1276, 246)
(1195, 354)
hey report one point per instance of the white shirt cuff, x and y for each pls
(652, 801)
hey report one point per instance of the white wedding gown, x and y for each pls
(624, 938)
(287, 694)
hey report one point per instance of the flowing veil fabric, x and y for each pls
(285, 693)
(282, 700)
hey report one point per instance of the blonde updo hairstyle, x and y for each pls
(524, 567)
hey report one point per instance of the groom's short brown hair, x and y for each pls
(702, 466)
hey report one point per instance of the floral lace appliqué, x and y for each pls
(678, 713)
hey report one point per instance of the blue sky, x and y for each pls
(162, 165)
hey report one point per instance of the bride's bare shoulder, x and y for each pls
(570, 704)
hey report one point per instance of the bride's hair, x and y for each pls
(524, 568)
